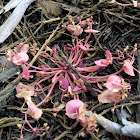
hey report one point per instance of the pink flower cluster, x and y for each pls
(76, 109)
(26, 91)
(19, 55)
(116, 90)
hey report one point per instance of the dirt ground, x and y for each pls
(119, 26)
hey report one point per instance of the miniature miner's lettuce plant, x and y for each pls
(68, 81)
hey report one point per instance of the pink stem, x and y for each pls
(76, 55)
(78, 59)
(77, 52)
(71, 56)
(55, 76)
(86, 41)
(96, 77)
(26, 120)
(46, 78)
(33, 66)
(50, 91)
(53, 72)
(97, 90)
(53, 60)
(69, 80)
(89, 69)
(45, 88)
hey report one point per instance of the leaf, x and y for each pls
(33, 111)
(108, 97)
(26, 73)
(114, 83)
(72, 108)
(64, 83)
(24, 91)
(128, 68)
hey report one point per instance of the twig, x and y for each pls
(41, 23)
(66, 132)
(46, 42)
(88, 86)
(93, 136)
(118, 106)
(44, 22)
(120, 17)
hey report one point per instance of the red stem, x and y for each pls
(50, 91)
(96, 77)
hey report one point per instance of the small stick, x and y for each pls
(88, 86)
(41, 23)
(45, 44)
(44, 22)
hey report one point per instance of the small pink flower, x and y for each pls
(72, 108)
(64, 83)
(102, 62)
(76, 88)
(33, 111)
(114, 83)
(84, 47)
(26, 74)
(20, 58)
(24, 49)
(105, 62)
(75, 30)
(80, 64)
(44, 68)
(24, 91)
(128, 68)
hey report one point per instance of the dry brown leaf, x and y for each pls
(49, 8)
(108, 97)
